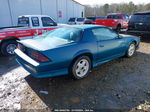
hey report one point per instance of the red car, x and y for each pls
(116, 21)
(92, 19)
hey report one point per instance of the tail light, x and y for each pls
(39, 57)
(20, 47)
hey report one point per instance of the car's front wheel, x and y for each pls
(81, 67)
(8, 47)
(131, 50)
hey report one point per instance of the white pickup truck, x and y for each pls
(28, 27)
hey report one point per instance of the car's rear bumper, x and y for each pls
(39, 70)
(136, 32)
(34, 71)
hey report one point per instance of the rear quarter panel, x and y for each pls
(129, 39)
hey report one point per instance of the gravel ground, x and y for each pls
(122, 84)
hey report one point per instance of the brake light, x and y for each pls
(39, 57)
(20, 47)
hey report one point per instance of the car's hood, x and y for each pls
(42, 45)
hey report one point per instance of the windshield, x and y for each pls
(72, 19)
(80, 19)
(23, 21)
(67, 34)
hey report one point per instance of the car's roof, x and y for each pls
(34, 16)
(86, 26)
(145, 12)
(116, 14)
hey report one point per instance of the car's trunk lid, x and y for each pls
(42, 45)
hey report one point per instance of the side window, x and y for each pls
(146, 18)
(46, 21)
(23, 21)
(104, 34)
(113, 17)
(35, 21)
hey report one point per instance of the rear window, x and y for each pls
(23, 21)
(137, 18)
(72, 19)
(67, 34)
(80, 19)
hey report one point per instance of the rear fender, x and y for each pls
(82, 52)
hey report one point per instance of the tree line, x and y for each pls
(103, 10)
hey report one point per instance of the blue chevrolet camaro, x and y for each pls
(73, 50)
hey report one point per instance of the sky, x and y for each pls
(101, 2)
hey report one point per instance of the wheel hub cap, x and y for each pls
(131, 49)
(10, 48)
(82, 67)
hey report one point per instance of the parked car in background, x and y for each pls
(80, 21)
(116, 21)
(72, 21)
(92, 19)
(139, 23)
(28, 27)
(73, 50)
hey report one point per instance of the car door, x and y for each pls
(36, 29)
(109, 44)
(48, 24)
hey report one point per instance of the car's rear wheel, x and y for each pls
(81, 67)
(131, 50)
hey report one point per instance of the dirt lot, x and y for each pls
(122, 84)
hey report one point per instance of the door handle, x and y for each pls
(101, 45)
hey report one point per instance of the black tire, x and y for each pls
(118, 28)
(6, 44)
(128, 52)
(74, 66)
